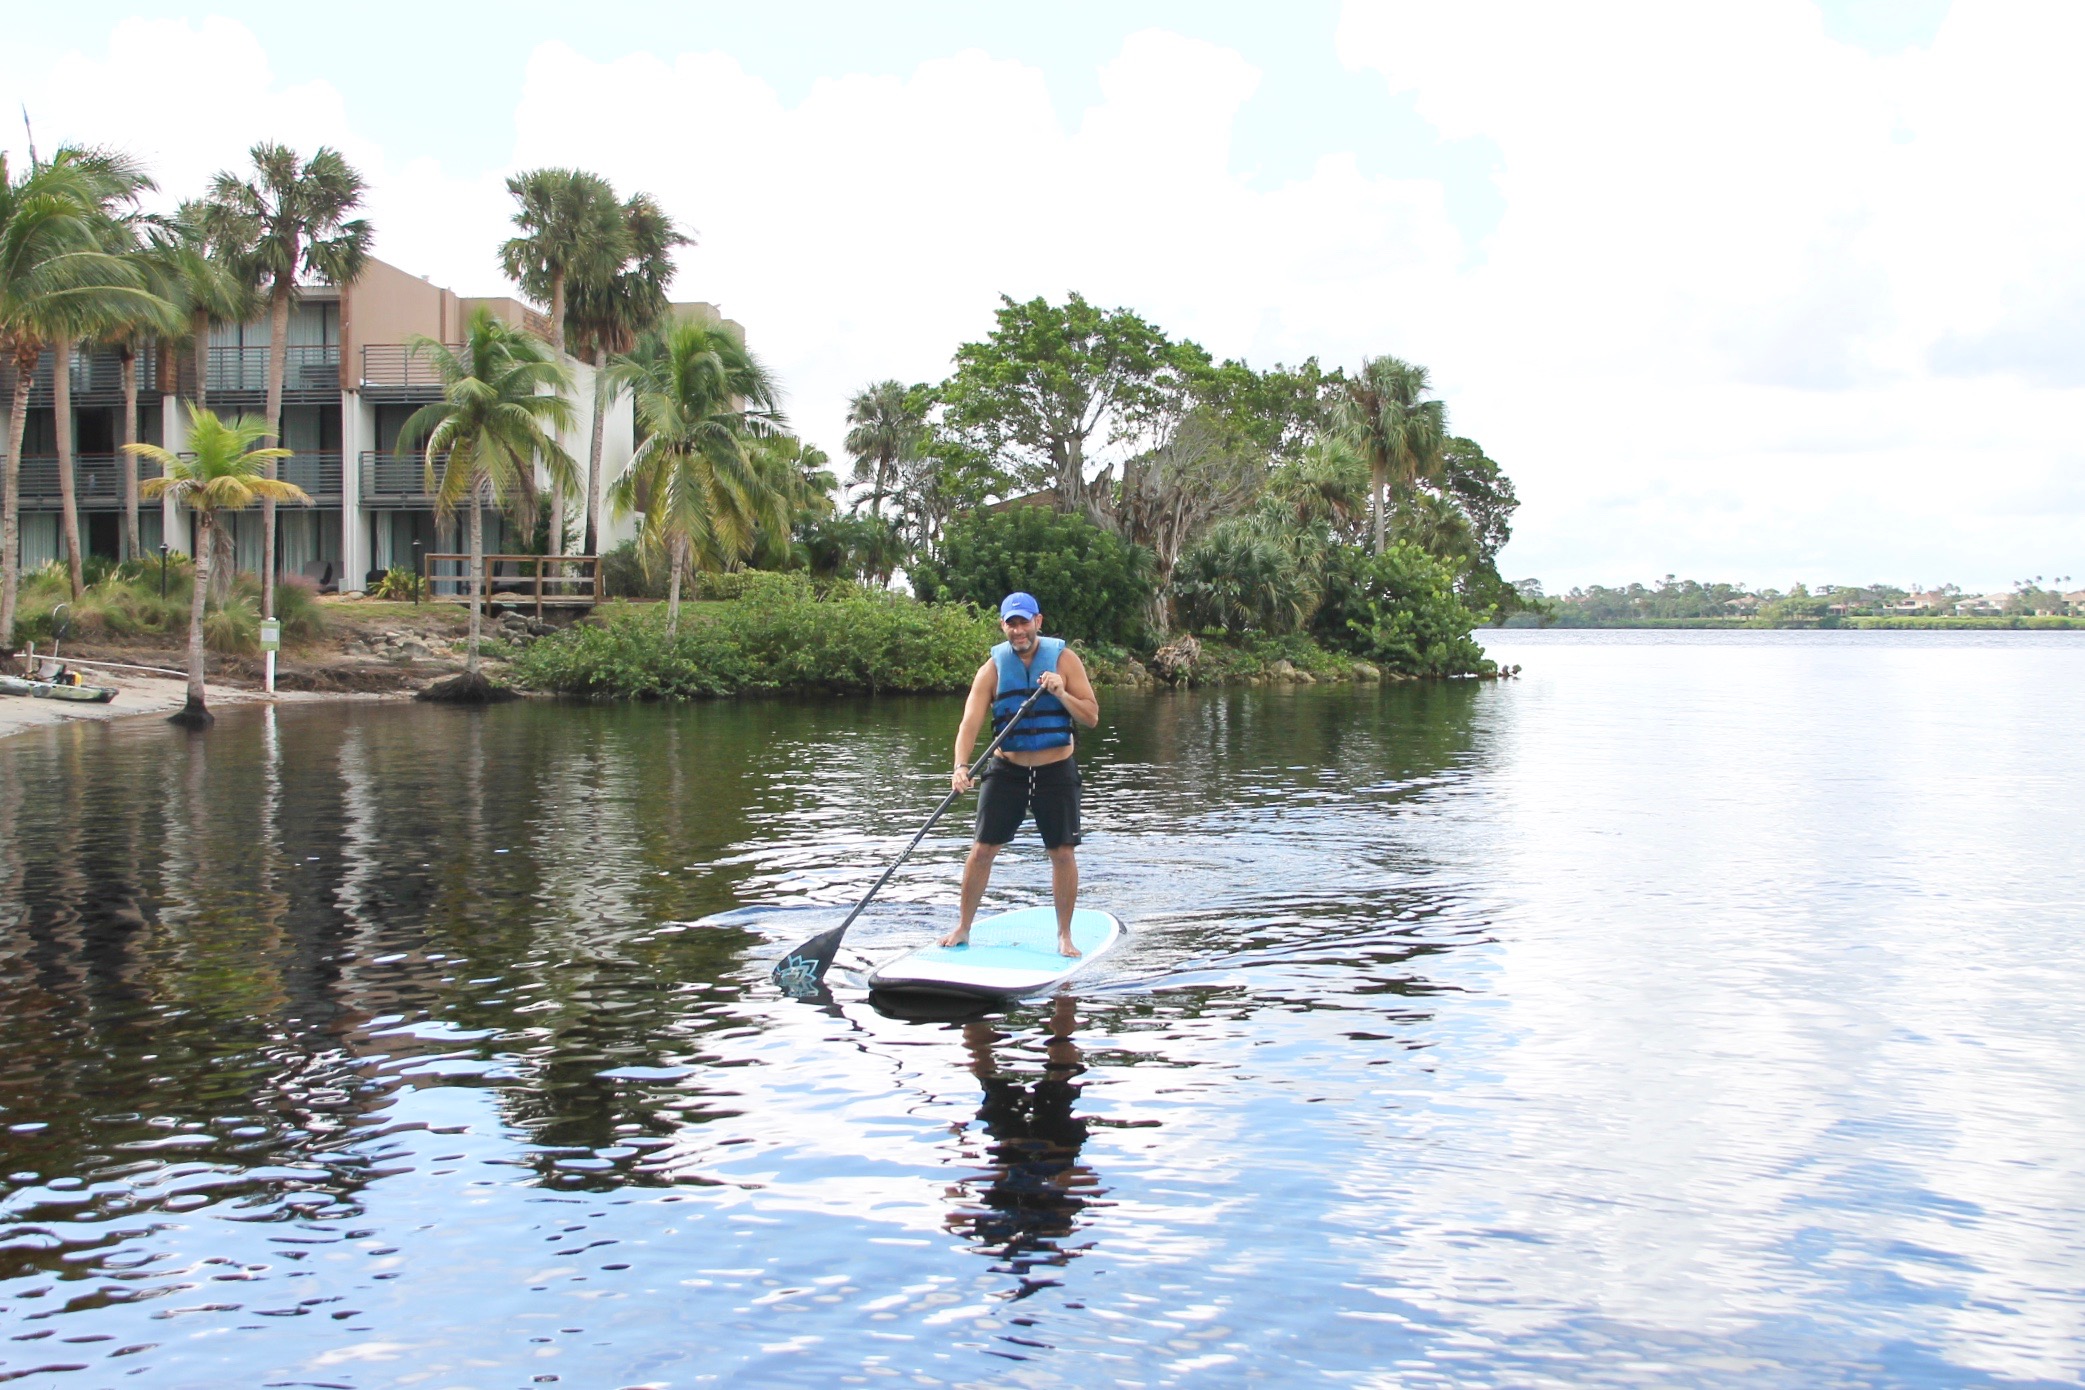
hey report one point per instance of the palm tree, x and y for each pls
(1400, 435)
(797, 487)
(700, 396)
(56, 273)
(607, 316)
(198, 258)
(201, 253)
(573, 231)
(883, 435)
(222, 473)
(289, 218)
(482, 439)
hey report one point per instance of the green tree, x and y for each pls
(607, 314)
(1052, 383)
(947, 473)
(288, 218)
(222, 472)
(884, 430)
(1243, 576)
(699, 397)
(800, 476)
(1383, 412)
(71, 320)
(56, 272)
(482, 439)
(205, 284)
(1399, 609)
(1090, 582)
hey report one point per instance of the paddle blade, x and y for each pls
(801, 973)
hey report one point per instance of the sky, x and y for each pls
(1763, 291)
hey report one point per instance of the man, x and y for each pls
(1035, 769)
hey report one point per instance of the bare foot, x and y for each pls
(1065, 948)
(959, 937)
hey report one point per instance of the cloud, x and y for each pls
(1757, 296)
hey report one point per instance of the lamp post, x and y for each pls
(419, 578)
(162, 571)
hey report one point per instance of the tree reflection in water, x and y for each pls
(1038, 1185)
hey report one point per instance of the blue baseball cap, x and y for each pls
(1019, 606)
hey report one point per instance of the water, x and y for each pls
(1700, 1009)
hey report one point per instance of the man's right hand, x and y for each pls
(961, 780)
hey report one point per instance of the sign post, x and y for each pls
(271, 642)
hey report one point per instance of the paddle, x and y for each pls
(799, 972)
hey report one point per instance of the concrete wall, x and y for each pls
(389, 306)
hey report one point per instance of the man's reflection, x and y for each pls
(1037, 1183)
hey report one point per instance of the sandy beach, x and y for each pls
(139, 694)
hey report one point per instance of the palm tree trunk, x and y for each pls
(557, 311)
(199, 329)
(1380, 486)
(68, 502)
(132, 545)
(278, 360)
(196, 712)
(673, 585)
(477, 574)
(593, 454)
(10, 500)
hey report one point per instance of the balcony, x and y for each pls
(311, 371)
(399, 480)
(317, 473)
(393, 371)
(97, 377)
(97, 482)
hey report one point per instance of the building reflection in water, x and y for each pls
(1037, 1186)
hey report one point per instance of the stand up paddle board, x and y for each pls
(1012, 954)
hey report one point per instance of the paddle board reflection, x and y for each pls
(1037, 1185)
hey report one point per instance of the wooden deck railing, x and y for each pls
(538, 581)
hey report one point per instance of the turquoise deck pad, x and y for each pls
(1011, 954)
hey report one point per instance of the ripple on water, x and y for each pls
(1510, 1035)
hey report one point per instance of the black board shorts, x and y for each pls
(1010, 791)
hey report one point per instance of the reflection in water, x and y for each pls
(1501, 1034)
(1038, 1185)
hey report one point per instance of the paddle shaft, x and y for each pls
(946, 802)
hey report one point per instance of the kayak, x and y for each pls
(1009, 955)
(57, 690)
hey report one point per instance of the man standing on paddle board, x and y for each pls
(1034, 770)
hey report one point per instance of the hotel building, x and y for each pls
(349, 383)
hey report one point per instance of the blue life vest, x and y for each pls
(1048, 723)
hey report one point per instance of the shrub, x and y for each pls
(623, 574)
(297, 607)
(778, 637)
(400, 582)
(1239, 578)
(234, 626)
(116, 605)
(1090, 583)
(1399, 610)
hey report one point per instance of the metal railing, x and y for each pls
(519, 581)
(395, 478)
(318, 473)
(309, 369)
(396, 367)
(97, 481)
(97, 374)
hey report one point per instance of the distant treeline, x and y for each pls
(1693, 603)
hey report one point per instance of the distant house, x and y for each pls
(1047, 497)
(2076, 600)
(1743, 603)
(1983, 605)
(1912, 604)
